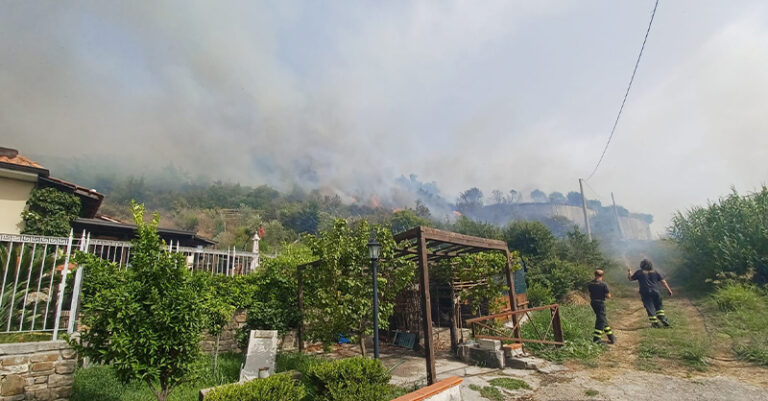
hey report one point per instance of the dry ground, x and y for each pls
(620, 373)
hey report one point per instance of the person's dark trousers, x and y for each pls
(659, 308)
(601, 322)
(654, 308)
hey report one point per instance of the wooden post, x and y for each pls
(300, 299)
(426, 309)
(452, 316)
(557, 328)
(512, 295)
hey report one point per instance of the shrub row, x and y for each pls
(352, 379)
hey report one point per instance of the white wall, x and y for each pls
(14, 193)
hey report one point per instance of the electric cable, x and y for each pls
(626, 94)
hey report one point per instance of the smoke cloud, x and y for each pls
(348, 97)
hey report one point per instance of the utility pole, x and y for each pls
(584, 207)
(616, 214)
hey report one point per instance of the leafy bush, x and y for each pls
(728, 236)
(50, 212)
(270, 294)
(279, 387)
(147, 320)
(350, 379)
(737, 296)
(294, 361)
(539, 294)
(561, 276)
(338, 291)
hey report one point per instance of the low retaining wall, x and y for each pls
(444, 390)
(41, 371)
(227, 342)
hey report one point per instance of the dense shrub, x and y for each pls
(50, 212)
(350, 379)
(728, 236)
(279, 387)
(539, 294)
(737, 296)
(560, 276)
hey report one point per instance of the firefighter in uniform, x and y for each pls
(598, 292)
(648, 280)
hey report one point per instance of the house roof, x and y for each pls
(90, 200)
(11, 159)
(126, 232)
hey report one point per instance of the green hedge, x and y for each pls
(279, 387)
(352, 379)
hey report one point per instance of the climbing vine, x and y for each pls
(50, 212)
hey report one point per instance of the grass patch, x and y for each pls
(679, 343)
(488, 392)
(509, 383)
(100, 383)
(739, 311)
(591, 393)
(578, 321)
(9, 338)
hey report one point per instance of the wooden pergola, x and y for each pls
(425, 245)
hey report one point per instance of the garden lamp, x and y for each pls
(374, 248)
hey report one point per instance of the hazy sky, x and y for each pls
(350, 95)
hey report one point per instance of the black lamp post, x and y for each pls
(374, 248)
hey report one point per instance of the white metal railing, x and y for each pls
(35, 297)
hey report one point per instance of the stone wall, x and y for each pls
(42, 371)
(228, 342)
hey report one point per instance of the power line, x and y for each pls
(626, 94)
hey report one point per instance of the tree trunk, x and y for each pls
(362, 344)
(216, 355)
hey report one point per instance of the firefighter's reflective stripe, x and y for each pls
(660, 312)
(608, 330)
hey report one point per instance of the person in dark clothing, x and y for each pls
(598, 293)
(648, 280)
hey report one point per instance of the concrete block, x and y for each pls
(463, 352)
(487, 358)
(493, 345)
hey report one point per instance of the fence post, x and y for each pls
(557, 328)
(76, 289)
(62, 286)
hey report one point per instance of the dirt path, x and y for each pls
(616, 375)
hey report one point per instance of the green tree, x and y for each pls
(574, 198)
(272, 293)
(50, 212)
(339, 291)
(217, 308)
(557, 198)
(146, 321)
(577, 248)
(539, 196)
(470, 200)
(466, 226)
(532, 239)
(404, 220)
